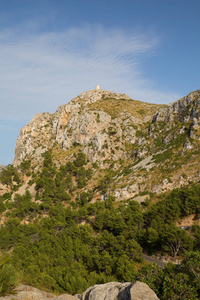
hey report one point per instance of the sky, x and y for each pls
(53, 50)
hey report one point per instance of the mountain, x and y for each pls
(97, 184)
(150, 147)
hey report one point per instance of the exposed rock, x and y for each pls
(182, 130)
(3, 189)
(195, 123)
(142, 153)
(25, 187)
(119, 291)
(141, 141)
(74, 123)
(141, 199)
(143, 163)
(66, 297)
(126, 192)
(192, 134)
(181, 109)
(140, 291)
(164, 115)
(187, 145)
(151, 129)
(34, 139)
(111, 128)
(108, 291)
(165, 181)
(26, 292)
(167, 139)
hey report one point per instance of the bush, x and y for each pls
(80, 160)
(8, 280)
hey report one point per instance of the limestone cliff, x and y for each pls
(152, 147)
(96, 120)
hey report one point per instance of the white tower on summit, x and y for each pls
(97, 87)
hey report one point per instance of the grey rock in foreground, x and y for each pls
(119, 291)
(108, 291)
(25, 292)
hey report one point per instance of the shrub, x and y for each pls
(80, 160)
(8, 280)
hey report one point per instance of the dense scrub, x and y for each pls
(8, 276)
(175, 281)
(66, 245)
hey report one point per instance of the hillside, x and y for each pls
(96, 184)
(148, 147)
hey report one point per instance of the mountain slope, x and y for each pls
(88, 120)
(67, 210)
(149, 147)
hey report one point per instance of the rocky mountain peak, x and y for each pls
(95, 95)
(111, 129)
(86, 119)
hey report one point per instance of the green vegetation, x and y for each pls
(114, 106)
(8, 276)
(10, 176)
(64, 242)
(161, 157)
(141, 112)
(175, 281)
(112, 131)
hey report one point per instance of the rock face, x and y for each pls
(90, 120)
(81, 122)
(151, 145)
(119, 291)
(25, 292)
(108, 291)
(187, 108)
(34, 139)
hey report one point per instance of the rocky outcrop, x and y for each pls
(112, 129)
(25, 292)
(108, 291)
(185, 109)
(3, 189)
(34, 139)
(90, 120)
(119, 291)
(81, 123)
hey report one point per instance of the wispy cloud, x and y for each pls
(39, 72)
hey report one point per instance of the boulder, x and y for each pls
(108, 291)
(141, 291)
(119, 291)
(26, 292)
(66, 297)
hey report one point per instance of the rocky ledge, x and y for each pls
(108, 291)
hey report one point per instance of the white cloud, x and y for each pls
(41, 71)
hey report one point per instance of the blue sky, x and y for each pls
(52, 50)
